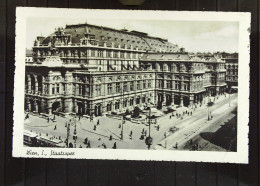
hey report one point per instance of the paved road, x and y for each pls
(192, 126)
(110, 126)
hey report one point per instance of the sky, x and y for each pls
(194, 36)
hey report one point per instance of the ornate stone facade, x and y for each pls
(91, 70)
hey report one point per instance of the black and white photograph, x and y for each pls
(131, 85)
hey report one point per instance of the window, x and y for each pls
(80, 92)
(108, 53)
(168, 84)
(100, 53)
(109, 88)
(58, 88)
(137, 101)
(98, 89)
(109, 107)
(131, 102)
(131, 86)
(138, 85)
(144, 84)
(125, 86)
(53, 89)
(92, 53)
(117, 87)
(176, 84)
(149, 84)
(125, 103)
(143, 99)
(122, 55)
(117, 105)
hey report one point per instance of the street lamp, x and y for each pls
(149, 139)
(122, 131)
(68, 134)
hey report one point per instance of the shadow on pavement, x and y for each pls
(225, 136)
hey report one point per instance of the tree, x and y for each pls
(136, 112)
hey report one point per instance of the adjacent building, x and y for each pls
(93, 70)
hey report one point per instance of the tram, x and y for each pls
(47, 142)
(30, 138)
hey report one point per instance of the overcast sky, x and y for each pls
(194, 36)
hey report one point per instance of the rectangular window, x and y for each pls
(58, 88)
(92, 53)
(131, 102)
(98, 89)
(53, 89)
(109, 88)
(125, 86)
(168, 83)
(144, 84)
(132, 86)
(138, 85)
(122, 55)
(149, 84)
(117, 87)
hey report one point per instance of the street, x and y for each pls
(104, 132)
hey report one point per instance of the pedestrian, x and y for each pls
(176, 145)
(98, 122)
(158, 127)
(114, 147)
(104, 145)
(131, 133)
(95, 127)
(53, 117)
(191, 113)
(143, 130)
(164, 134)
(80, 146)
(186, 112)
(145, 133)
(170, 117)
(79, 117)
(172, 114)
(89, 144)
(55, 127)
(119, 126)
(48, 119)
(110, 137)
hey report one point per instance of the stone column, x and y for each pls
(50, 89)
(85, 107)
(36, 84)
(29, 83)
(28, 104)
(49, 108)
(191, 100)
(181, 100)
(35, 106)
(172, 99)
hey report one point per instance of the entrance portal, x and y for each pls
(55, 107)
(177, 100)
(186, 101)
(168, 100)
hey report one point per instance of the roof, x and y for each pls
(29, 53)
(121, 37)
(178, 57)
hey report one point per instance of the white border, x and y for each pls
(241, 156)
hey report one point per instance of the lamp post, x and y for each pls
(149, 139)
(208, 106)
(68, 134)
